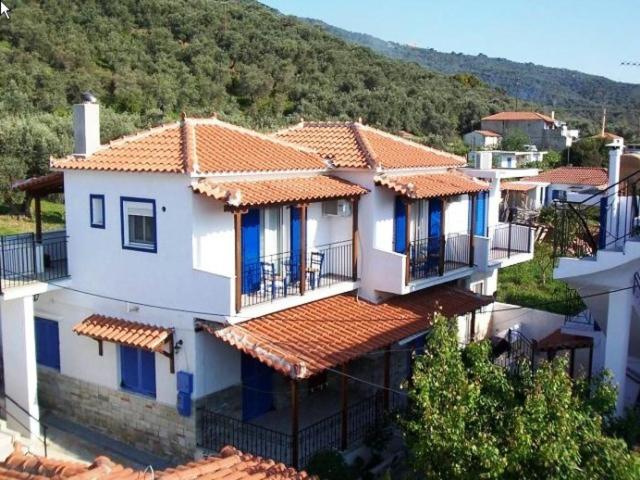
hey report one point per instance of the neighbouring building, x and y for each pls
(505, 159)
(218, 286)
(573, 184)
(482, 139)
(545, 132)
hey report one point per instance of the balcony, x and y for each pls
(27, 260)
(510, 243)
(275, 277)
(438, 256)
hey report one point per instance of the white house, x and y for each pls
(482, 139)
(215, 285)
(574, 184)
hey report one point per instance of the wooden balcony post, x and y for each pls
(407, 236)
(572, 362)
(294, 423)
(237, 227)
(387, 377)
(443, 237)
(355, 238)
(472, 327)
(344, 390)
(38, 215)
(472, 227)
(303, 248)
(509, 239)
(590, 361)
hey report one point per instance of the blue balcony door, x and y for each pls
(296, 244)
(604, 210)
(257, 391)
(480, 227)
(251, 251)
(400, 226)
(435, 232)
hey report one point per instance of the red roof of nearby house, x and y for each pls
(124, 332)
(228, 464)
(563, 341)
(516, 186)
(487, 133)
(351, 144)
(432, 185)
(519, 116)
(271, 192)
(608, 136)
(591, 176)
(308, 339)
(197, 146)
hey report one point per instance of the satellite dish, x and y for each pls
(88, 97)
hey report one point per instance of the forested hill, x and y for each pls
(580, 93)
(149, 60)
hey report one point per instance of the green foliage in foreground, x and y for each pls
(472, 420)
(531, 284)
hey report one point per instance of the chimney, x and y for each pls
(615, 156)
(86, 126)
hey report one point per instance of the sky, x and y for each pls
(587, 35)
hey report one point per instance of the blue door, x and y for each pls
(257, 388)
(435, 231)
(251, 251)
(480, 227)
(602, 239)
(296, 244)
(400, 226)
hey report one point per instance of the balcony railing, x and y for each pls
(24, 259)
(218, 430)
(509, 239)
(277, 276)
(435, 256)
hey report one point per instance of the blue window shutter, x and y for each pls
(47, 343)
(602, 239)
(435, 231)
(129, 371)
(147, 372)
(555, 194)
(400, 226)
(296, 243)
(480, 228)
(251, 251)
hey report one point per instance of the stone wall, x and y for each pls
(133, 419)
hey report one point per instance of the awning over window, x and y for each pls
(432, 185)
(280, 191)
(563, 341)
(125, 332)
(303, 341)
(44, 185)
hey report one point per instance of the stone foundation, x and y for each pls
(135, 420)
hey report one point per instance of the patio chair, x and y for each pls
(272, 281)
(314, 269)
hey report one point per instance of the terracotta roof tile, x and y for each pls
(198, 146)
(517, 186)
(563, 341)
(228, 464)
(305, 340)
(487, 133)
(43, 185)
(591, 176)
(519, 116)
(432, 185)
(124, 332)
(355, 145)
(269, 192)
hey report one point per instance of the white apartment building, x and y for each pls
(219, 286)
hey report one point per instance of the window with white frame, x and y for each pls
(138, 224)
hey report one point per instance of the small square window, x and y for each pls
(96, 205)
(138, 224)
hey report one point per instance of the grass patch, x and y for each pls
(531, 284)
(52, 219)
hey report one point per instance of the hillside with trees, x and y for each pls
(147, 61)
(579, 97)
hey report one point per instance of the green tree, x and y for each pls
(588, 152)
(471, 419)
(514, 140)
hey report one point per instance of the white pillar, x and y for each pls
(615, 155)
(20, 371)
(617, 340)
(494, 203)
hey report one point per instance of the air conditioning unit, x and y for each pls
(336, 208)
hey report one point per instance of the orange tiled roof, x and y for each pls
(519, 116)
(124, 332)
(305, 340)
(563, 341)
(591, 176)
(228, 464)
(43, 185)
(197, 146)
(487, 133)
(271, 192)
(353, 145)
(432, 185)
(516, 186)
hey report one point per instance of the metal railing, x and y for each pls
(272, 277)
(517, 352)
(435, 256)
(24, 259)
(43, 427)
(602, 221)
(509, 239)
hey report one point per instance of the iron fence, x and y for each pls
(509, 239)
(435, 256)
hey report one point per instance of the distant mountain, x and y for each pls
(578, 93)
